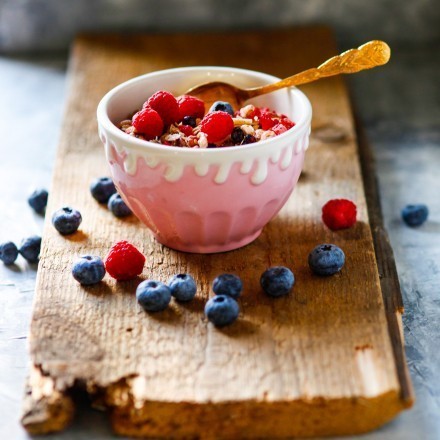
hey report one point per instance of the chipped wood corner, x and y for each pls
(45, 408)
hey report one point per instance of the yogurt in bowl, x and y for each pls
(204, 200)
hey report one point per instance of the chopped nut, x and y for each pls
(247, 129)
(172, 137)
(203, 140)
(191, 141)
(267, 134)
(125, 124)
(174, 129)
(247, 110)
(241, 121)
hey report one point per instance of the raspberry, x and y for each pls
(287, 122)
(187, 130)
(266, 121)
(148, 122)
(217, 126)
(166, 105)
(124, 261)
(255, 112)
(279, 129)
(190, 106)
(339, 214)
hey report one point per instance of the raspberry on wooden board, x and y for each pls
(124, 261)
(339, 214)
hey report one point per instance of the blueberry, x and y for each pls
(277, 281)
(227, 284)
(30, 248)
(183, 287)
(237, 135)
(189, 120)
(249, 139)
(222, 310)
(153, 296)
(88, 269)
(102, 189)
(66, 220)
(222, 106)
(8, 252)
(326, 259)
(118, 207)
(38, 200)
(415, 215)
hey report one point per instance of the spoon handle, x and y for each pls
(369, 55)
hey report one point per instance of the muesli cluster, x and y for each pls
(182, 122)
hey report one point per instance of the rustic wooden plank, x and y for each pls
(317, 362)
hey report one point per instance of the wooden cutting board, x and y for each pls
(327, 359)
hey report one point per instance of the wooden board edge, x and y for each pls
(389, 279)
(253, 419)
(51, 410)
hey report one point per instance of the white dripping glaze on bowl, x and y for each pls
(129, 96)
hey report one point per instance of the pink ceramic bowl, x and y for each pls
(204, 200)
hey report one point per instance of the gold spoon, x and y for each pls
(369, 55)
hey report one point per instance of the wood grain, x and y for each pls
(320, 361)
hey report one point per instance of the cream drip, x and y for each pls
(175, 165)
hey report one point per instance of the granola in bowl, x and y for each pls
(182, 122)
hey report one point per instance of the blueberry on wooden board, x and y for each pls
(118, 207)
(222, 310)
(183, 287)
(277, 281)
(88, 269)
(227, 284)
(66, 220)
(326, 259)
(102, 189)
(153, 296)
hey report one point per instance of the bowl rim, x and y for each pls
(105, 122)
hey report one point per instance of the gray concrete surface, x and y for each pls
(399, 107)
(50, 24)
